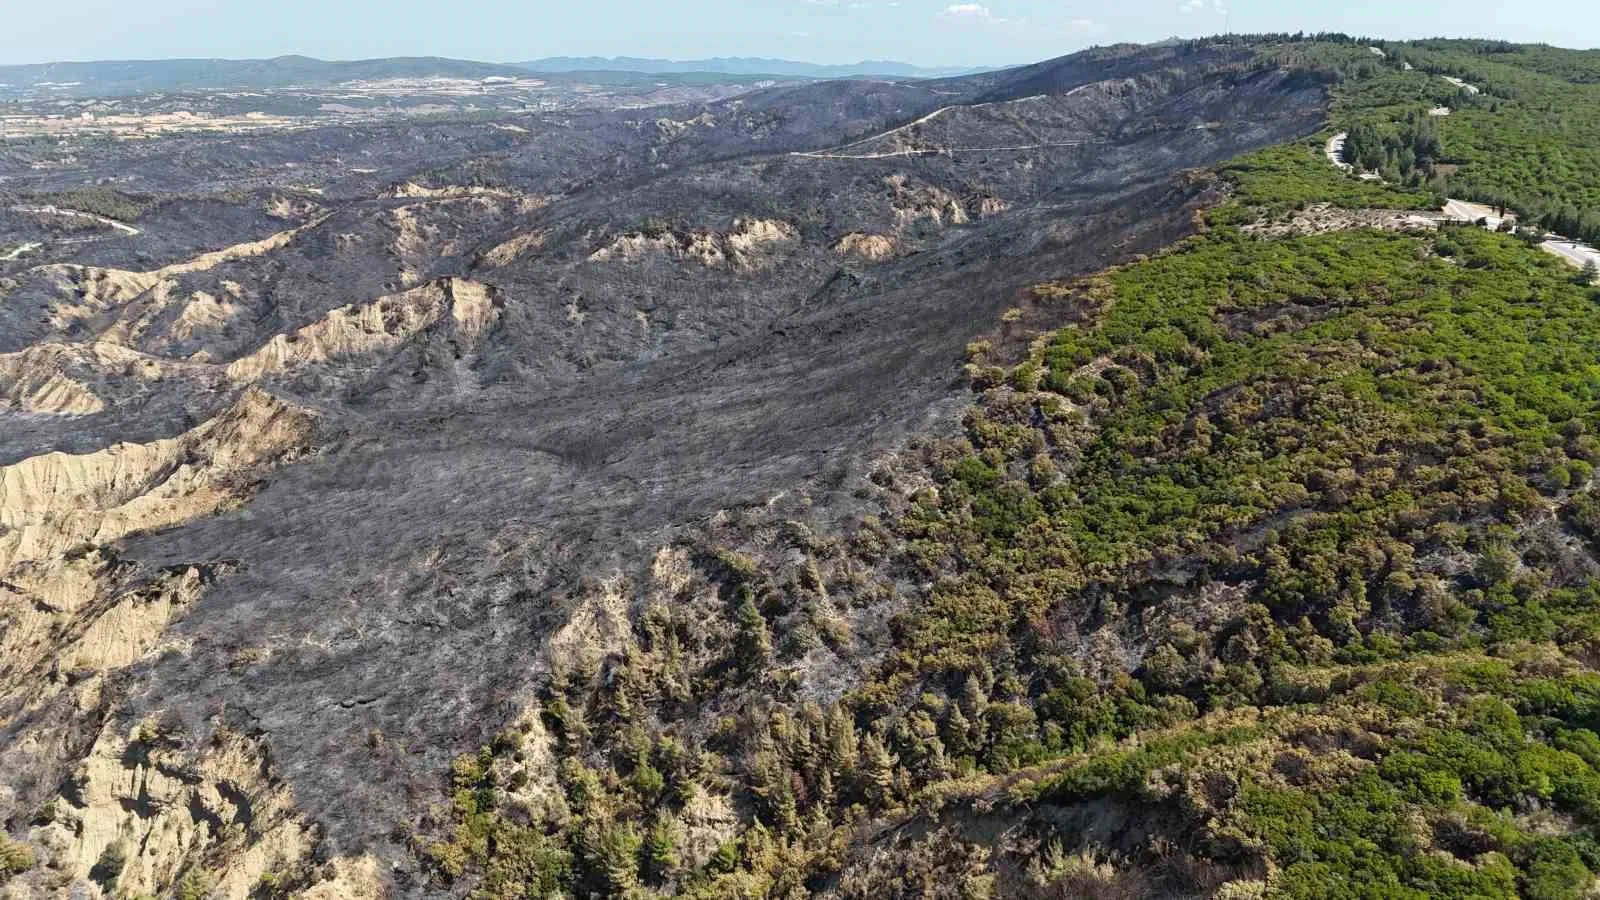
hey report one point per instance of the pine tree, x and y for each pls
(876, 770)
(613, 853)
(958, 732)
(973, 696)
(810, 738)
(771, 785)
(825, 791)
(841, 751)
(754, 641)
(661, 847)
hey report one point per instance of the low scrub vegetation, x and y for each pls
(99, 201)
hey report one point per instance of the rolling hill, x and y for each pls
(1060, 481)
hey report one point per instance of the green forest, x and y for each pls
(1522, 130)
(1270, 568)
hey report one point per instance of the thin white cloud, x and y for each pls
(980, 15)
(972, 14)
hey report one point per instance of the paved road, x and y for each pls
(1573, 252)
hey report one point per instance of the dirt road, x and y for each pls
(123, 227)
(1335, 151)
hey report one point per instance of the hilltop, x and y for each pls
(1089, 479)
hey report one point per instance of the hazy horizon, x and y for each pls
(842, 63)
(929, 33)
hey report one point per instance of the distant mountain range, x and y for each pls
(740, 65)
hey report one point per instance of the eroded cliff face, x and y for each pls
(78, 619)
(747, 245)
(372, 329)
(287, 525)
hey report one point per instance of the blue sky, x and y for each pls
(930, 32)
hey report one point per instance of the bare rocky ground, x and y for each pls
(303, 487)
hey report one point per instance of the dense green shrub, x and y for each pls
(14, 858)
